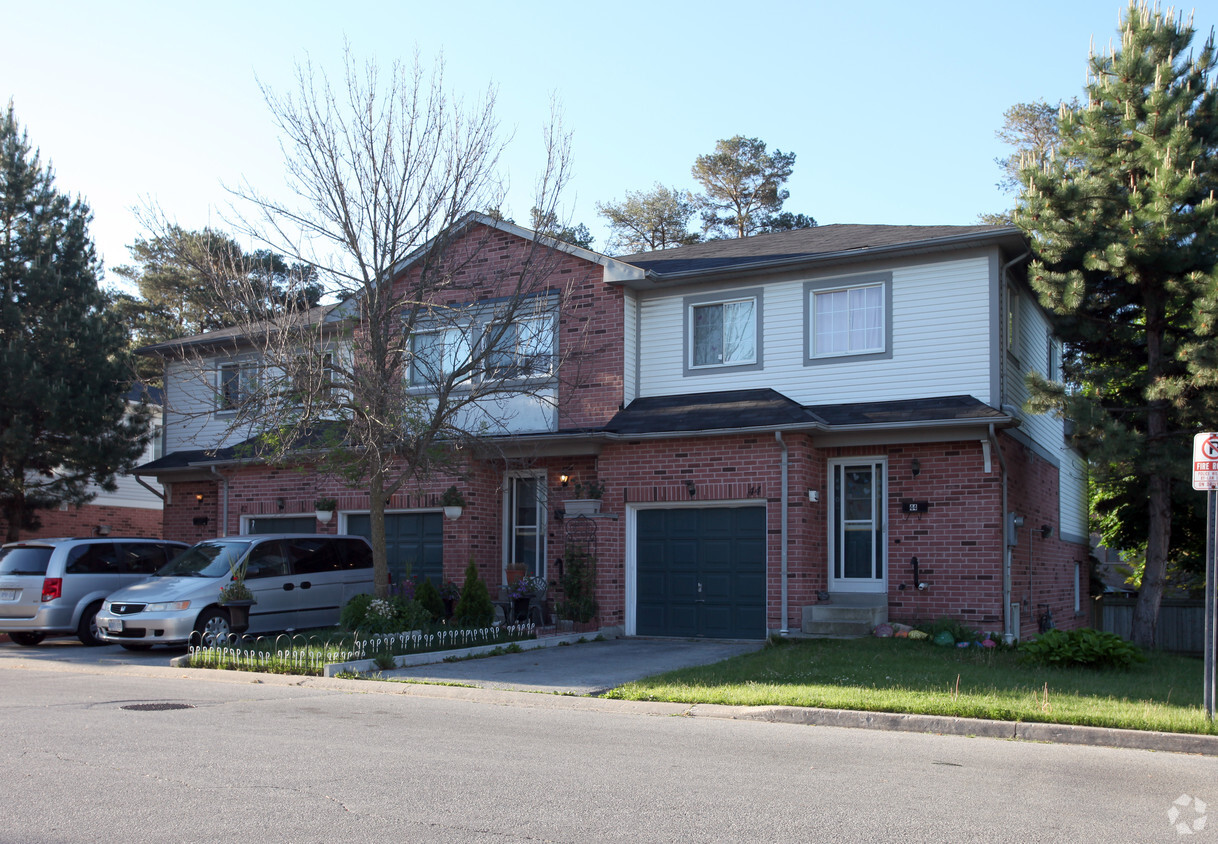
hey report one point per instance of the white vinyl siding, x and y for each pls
(630, 347)
(940, 341)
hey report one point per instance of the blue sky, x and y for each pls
(890, 106)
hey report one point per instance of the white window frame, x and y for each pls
(525, 352)
(454, 354)
(511, 529)
(693, 304)
(818, 296)
(247, 378)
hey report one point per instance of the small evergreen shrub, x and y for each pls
(1086, 648)
(352, 616)
(578, 586)
(474, 609)
(429, 598)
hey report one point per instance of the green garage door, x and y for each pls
(701, 572)
(412, 540)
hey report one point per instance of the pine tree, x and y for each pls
(1124, 226)
(63, 420)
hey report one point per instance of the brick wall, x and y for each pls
(84, 521)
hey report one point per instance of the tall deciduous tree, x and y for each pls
(431, 337)
(63, 416)
(742, 186)
(1124, 224)
(649, 220)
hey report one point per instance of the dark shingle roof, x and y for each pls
(805, 244)
(768, 408)
(709, 411)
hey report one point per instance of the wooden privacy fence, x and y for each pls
(1181, 622)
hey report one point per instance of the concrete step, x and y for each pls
(837, 629)
(836, 619)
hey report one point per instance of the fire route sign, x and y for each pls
(1205, 461)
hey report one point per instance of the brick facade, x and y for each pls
(85, 521)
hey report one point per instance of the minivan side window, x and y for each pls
(144, 558)
(267, 559)
(96, 558)
(356, 554)
(314, 556)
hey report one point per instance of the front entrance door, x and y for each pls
(856, 521)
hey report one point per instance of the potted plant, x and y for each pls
(587, 500)
(452, 501)
(324, 509)
(237, 598)
(522, 593)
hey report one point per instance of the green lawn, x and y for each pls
(903, 675)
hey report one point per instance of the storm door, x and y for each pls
(856, 521)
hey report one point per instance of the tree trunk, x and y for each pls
(376, 520)
(1146, 610)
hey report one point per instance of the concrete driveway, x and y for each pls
(585, 668)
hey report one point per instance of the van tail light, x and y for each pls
(52, 588)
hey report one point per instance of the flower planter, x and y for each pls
(451, 513)
(324, 516)
(238, 615)
(582, 507)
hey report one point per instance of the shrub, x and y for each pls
(352, 616)
(429, 598)
(578, 585)
(1086, 648)
(474, 609)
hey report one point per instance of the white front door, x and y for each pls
(856, 525)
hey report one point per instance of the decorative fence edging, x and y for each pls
(361, 666)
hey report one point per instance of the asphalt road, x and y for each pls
(145, 753)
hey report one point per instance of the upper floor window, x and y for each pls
(434, 355)
(723, 331)
(236, 385)
(849, 319)
(524, 349)
(1013, 320)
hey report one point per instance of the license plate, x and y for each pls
(114, 625)
(8, 594)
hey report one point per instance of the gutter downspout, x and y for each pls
(785, 509)
(1008, 635)
(224, 498)
(149, 487)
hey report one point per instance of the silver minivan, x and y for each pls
(55, 586)
(299, 581)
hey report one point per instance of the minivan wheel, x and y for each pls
(86, 631)
(213, 627)
(27, 639)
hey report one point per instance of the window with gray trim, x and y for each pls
(848, 318)
(722, 331)
(235, 384)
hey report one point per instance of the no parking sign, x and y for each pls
(1205, 461)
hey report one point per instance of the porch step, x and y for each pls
(845, 616)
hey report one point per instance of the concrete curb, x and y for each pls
(946, 725)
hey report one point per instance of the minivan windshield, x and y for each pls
(207, 559)
(18, 559)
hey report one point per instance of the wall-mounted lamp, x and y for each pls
(103, 530)
(916, 467)
(1046, 531)
(198, 498)
(280, 504)
(691, 489)
(564, 478)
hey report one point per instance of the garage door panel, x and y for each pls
(414, 542)
(721, 549)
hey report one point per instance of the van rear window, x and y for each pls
(25, 560)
